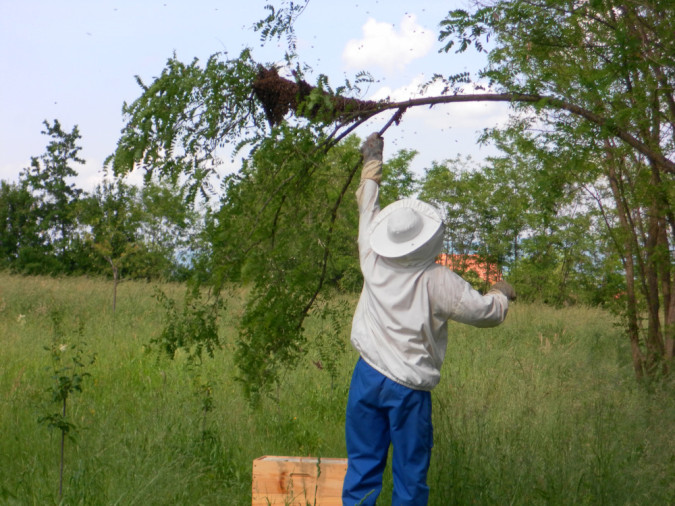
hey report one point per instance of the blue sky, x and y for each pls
(75, 61)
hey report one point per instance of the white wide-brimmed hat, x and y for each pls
(403, 227)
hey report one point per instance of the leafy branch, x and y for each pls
(193, 328)
(334, 212)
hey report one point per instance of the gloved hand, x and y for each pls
(505, 288)
(372, 148)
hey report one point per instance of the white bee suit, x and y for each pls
(400, 323)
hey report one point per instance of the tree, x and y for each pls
(596, 78)
(459, 190)
(507, 213)
(17, 230)
(140, 233)
(170, 231)
(114, 216)
(398, 181)
(613, 62)
(56, 198)
(553, 224)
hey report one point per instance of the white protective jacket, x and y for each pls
(400, 323)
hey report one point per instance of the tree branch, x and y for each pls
(280, 96)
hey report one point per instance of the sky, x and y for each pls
(76, 61)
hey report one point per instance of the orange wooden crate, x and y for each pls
(298, 481)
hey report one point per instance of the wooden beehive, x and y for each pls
(298, 481)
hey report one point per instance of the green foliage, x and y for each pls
(177, 125)
(398, 179)
(613, 61)
(271, 338)
(281, 228)
(114, 216)
(279, 22)
(146, 233)
(68, 366)
(18, 230)
(484, 207)
(287, 219)
(466, 29)
(462, 195)
(48, 226)
(192, 329)
(534, 223)
(318, 103)
(334, 316)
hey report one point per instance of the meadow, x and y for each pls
(542, 410)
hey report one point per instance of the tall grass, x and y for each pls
(543, 410)
(546, 410)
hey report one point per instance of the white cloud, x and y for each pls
(385, 47)
(406, 92)
(460, 114)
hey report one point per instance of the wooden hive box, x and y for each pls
(298, 481)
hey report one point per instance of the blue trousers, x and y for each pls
(381, 412)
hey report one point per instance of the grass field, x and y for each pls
(542, 410)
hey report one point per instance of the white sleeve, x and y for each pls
(457, 300)
(368, 198)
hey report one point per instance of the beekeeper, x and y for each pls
(400, 332)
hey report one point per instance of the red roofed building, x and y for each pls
(488, 272)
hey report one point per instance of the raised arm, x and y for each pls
(367, 196)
